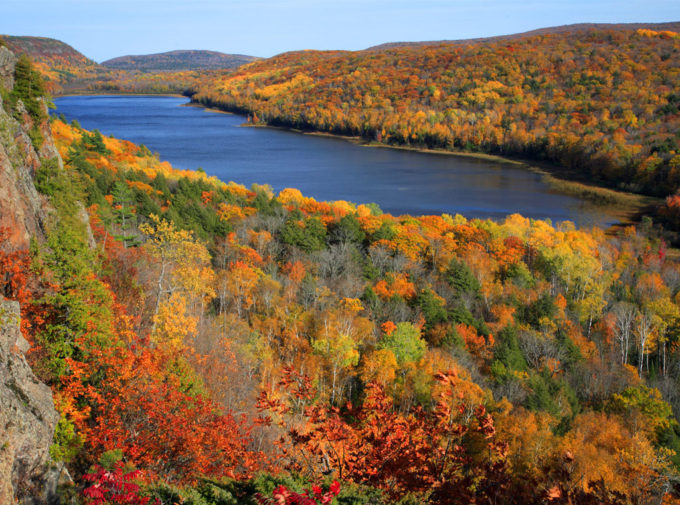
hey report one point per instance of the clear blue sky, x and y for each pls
(103, 29)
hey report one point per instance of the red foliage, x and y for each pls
(376, 445)
(159, 427)
(284, 496)
(114, 487)
(18, 282)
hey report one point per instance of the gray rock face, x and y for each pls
(22, 209)
(27, 414)
(7, 63)
(27, 420)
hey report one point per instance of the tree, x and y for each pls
(181, 263)
(124, 215)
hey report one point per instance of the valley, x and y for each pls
(432, 273)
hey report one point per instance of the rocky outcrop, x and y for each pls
(27, 420)
(22, 209)
(7, 62)
(27, 414)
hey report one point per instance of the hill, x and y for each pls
(553, 30)
(602, 105)
(179, 61)
(207, 343)
(66, 70)
(58, 62)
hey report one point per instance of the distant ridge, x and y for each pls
(180, 60)
(51, 52)
(579, 27)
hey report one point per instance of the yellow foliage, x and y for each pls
(172, 324)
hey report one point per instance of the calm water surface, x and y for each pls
(326, 168)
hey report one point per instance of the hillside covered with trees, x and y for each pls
(434, 357)
(178, 61)
(600, 104)
(208, 343)
(66, 70)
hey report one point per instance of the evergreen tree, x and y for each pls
(124, 215)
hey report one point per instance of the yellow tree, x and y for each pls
(337, 340)
(181, 264)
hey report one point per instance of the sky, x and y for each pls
(103, 29)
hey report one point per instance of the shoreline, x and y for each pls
(64, 95)
(628, 207)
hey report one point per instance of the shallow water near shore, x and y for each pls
(327, 168)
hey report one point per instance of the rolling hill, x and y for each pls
(553, 30)
(602, 104)
(59, 63)
(181, 60)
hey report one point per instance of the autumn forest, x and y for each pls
(208, 343)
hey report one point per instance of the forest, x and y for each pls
(600, 105)
(216, 341)
(208, 343)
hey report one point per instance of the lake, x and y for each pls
(326, 168)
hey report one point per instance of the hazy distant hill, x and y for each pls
(69, 71)
(581, 27)
(179, 61)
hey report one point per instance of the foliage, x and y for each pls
(114, 487)
(426, 359)
(315, 496)
(600, 104)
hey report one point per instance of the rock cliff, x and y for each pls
(27, 414)
(27, 420)
(22, 209)
(7, 62)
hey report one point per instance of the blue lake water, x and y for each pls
(326, 168)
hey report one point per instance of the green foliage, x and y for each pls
(432, 307)
(82, 297)
(189, 381)
(460, 277)
(648, 402)
(460, 314)
(66, 442)
(405, 343)
(543, 394)
(309, 235)
(50, 180)
(385, 232)
(370, 299)
(109, 459)
(573, 353)
(507, 351)
(29, 88)
(95, 142)
(123, 215)
(375, 209)
(542, 308)
(555, 396)
(347, 229)
(520, 275)
(233, 492)
(265, 205)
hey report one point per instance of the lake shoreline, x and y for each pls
(539, 195)
(629, 207)
(65, 95)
